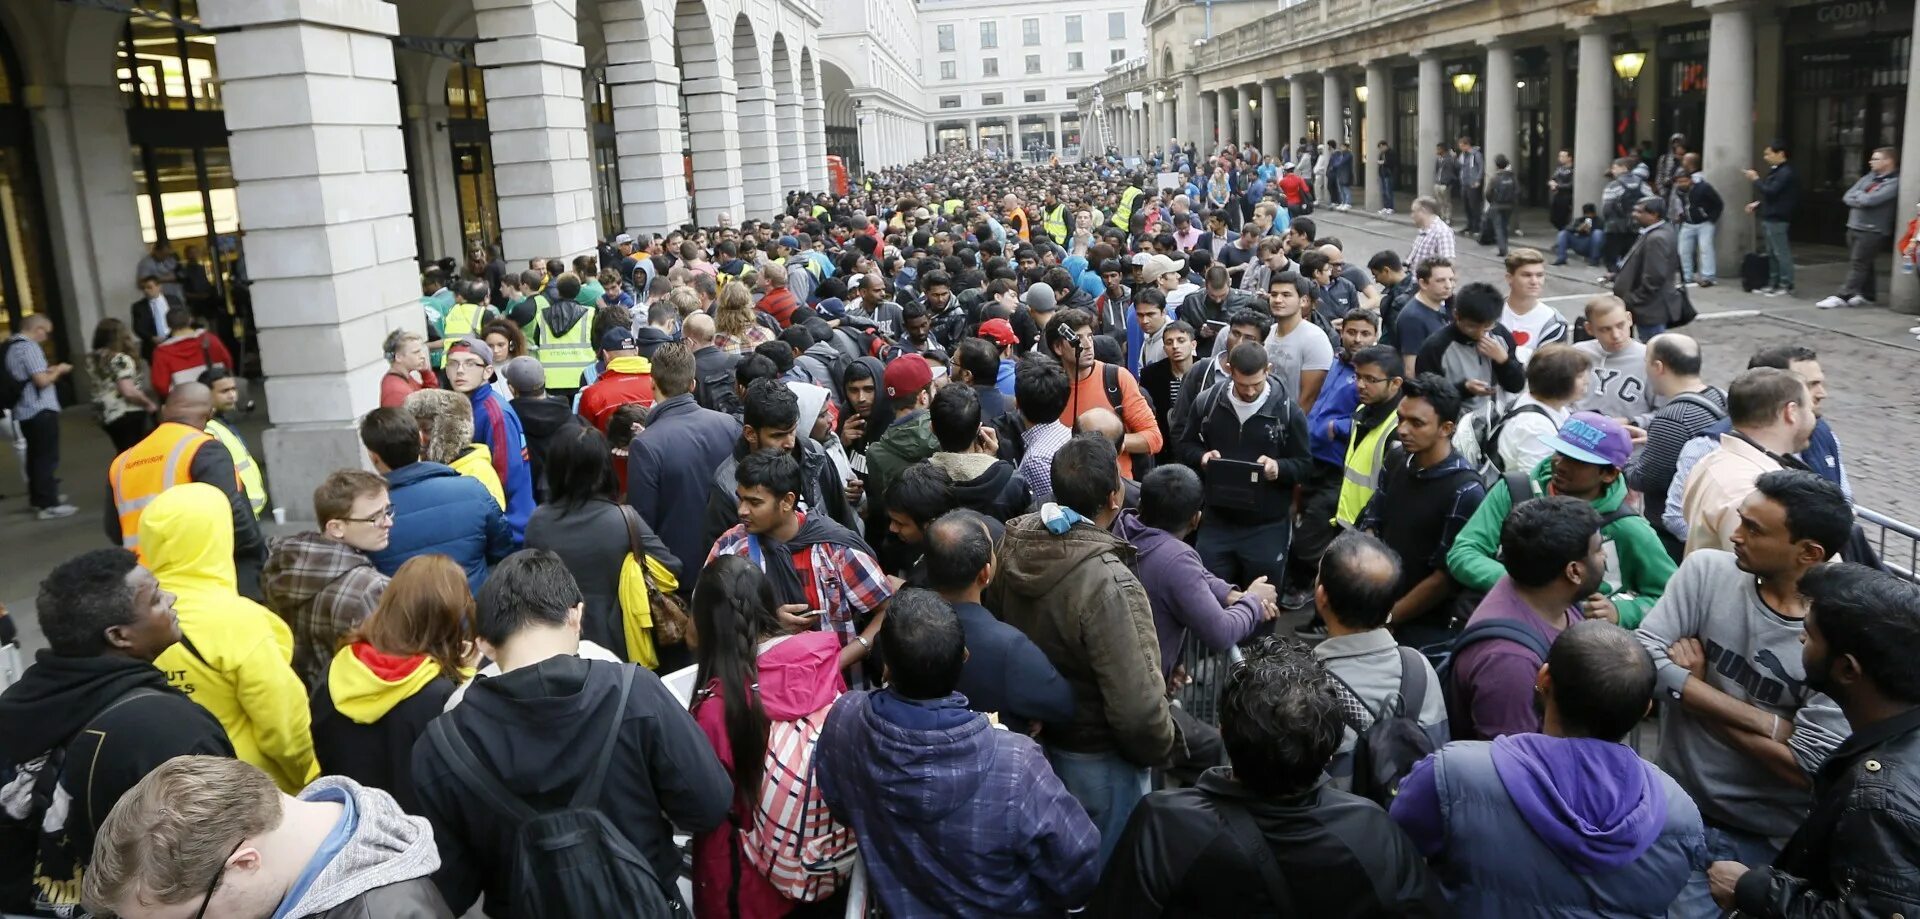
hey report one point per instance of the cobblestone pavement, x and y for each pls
(1873, 388)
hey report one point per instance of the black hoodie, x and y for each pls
(541, 417)
(65, 708)
(537, 728)
(986, 484)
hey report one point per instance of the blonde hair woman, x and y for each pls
(736, 332)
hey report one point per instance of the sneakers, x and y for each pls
(1776, 292)
(1705, 282)
(57, 511)
(1386, 211)
(1297, 598)
(1831, 303)
(1857, 300)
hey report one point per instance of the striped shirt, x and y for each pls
(22, 363)
(1652, 470)
(1436, 241)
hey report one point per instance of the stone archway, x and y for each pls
(789, 119)
(753, 103)
(711, 122)
(814, 107)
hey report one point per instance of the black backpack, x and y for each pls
(1488, 436)
(1504, 189)
(1387, 743)
(11, 387)
(1520, 489)
(572, 860)
(1143, 463)
(1484, 630)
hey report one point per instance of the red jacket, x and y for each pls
(779, 304)
(627, 380)
(185, 358)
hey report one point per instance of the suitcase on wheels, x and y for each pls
(1755, 266)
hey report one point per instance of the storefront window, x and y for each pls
(1847, 89)
(472, 154)
(606, 154)
(166, 61)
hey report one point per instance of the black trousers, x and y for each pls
(42, 433)
(128, 430)
(1319, 500)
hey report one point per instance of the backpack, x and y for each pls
(1444, 657)
(794, 842)
(1486, 431)
(1694, 398)
(1520, 489)
(1616, 214)
(571, 860)
(1143, 463)
(1389, 742)
(1504, 190)
(11, 387)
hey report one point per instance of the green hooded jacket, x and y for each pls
(1643, 564)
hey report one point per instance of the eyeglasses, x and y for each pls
(383, 515)
(453, 364)
(1371, 381)
(217, 876)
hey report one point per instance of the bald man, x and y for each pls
(1689, 407)
(180, 450)
(1104, 422)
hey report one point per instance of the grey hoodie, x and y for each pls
(384, 848)
(1873, 201)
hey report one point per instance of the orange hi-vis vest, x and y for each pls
(164, 459)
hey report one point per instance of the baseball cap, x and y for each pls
(1591, 437)
(525, 374)
(908, 374)
(832, 307)
(480, 349)
(1039, 298)
(1160, 265)
(998, 331)
(618, 338)
(623, 239)
(791, 242)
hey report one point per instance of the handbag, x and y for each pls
(651, 612)
(1683, 311)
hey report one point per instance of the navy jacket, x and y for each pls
(670, 466)
(1007, 673)
(439, 511)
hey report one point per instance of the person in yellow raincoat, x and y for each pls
(235, 657)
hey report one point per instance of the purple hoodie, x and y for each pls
(1170, 570)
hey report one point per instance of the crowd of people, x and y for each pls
(888, 535)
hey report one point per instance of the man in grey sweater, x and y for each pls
(1872, 201)
(1619, 388)
(1742, 731)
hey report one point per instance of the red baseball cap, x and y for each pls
(908, 374)
(999, 331)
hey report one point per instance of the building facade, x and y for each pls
(1829, 79)
(1007, 77)
(309, 156)
(872, 68)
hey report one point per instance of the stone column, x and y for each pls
(1592, 116)
(1193, 109)
(1270, 139)
(1503, 102)
(1379, 127)
(1296, 109)
(314, 120)
(646, 125)
(1904, 296)
(813, 115)
(790, 120)
(1249, 94)
(542, 169)
(1430, 126)
(1728, 146)
(1222, 120)
(1333, 97)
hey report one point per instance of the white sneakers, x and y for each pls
(57, 511)
(1836, 301)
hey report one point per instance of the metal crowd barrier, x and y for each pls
(1207, 672)
(1897, 542)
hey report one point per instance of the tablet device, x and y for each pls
(1236, 483)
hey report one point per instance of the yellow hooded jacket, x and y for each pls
(236, 657)
(477, 464)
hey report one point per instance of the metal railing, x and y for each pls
(1903, 558)
(1206, 671)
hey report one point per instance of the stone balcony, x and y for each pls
(1309, 22)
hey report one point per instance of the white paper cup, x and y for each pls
(280, 516)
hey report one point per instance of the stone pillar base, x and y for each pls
(302, 456)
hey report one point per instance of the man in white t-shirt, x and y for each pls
(1300, 351)
(1532, 323)
(1556, 381)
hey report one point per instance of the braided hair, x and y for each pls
(733, 611)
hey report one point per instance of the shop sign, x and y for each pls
(1842, 18)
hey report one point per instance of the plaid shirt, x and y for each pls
(844, 582)
(1436, 241)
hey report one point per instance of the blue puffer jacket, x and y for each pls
(439, 511)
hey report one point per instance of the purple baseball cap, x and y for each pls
(1591, 437)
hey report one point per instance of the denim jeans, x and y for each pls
(1646, 332)
(1779, 253)
(1697, 236)
(1589, 246)
(1106, 785)
(1238, 553)
(1502, 218)
(1723, 845)
(1386, 192)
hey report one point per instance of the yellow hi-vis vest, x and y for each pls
(564, 357)
(1362, 474)
(462, 320)
(1056, 224)
(243, 464)
(159, 462)
(1123, 214)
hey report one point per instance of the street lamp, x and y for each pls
(1253, 105)
(1628, 63)
(1160, 94)
(1463, 83)
(1360, 93)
